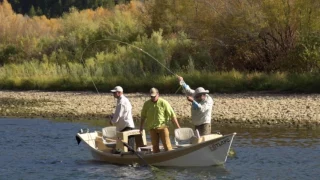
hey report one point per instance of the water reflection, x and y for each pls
(144, 172)
(267, 137)
(212, 172)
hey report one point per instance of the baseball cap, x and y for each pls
(117, 89)
(153, 91)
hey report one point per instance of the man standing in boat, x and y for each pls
(122, 118)
(156, 113)
(201, 107)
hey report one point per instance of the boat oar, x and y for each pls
(136, 153)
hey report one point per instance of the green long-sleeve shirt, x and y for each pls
(157, 114)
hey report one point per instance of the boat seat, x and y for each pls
(109, 135)
(183, 137)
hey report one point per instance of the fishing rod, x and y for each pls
(136, 153)
(143, 51)
(131, 45)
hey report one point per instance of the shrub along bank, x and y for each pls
(227, 47)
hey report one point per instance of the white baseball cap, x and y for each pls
(153, 91)
(117, 89)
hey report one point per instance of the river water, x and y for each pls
(43, 149)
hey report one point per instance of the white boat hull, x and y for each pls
(208, 153)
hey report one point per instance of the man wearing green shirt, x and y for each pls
(156, 113)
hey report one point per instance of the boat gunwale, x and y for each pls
(162, 156)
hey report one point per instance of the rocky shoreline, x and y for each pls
(244, 109)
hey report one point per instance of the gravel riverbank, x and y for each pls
(247, 109)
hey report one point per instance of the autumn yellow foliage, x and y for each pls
(22, 31)
(159, 37)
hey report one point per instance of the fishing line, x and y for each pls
(154, 169)
(121, 42)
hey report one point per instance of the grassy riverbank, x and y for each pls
(75, 77)
(137, 46)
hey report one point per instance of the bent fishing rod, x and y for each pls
(131, 45)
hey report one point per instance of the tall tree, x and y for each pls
(54, 8)
(32, 11)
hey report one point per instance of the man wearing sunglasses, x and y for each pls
(156, 113)
(201, 107)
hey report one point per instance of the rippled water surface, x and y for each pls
(43, 149)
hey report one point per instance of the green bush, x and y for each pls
(10, 54)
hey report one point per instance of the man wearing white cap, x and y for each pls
(201, 107)
(156, 113)
(122, 117)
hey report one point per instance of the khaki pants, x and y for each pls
(163, 134)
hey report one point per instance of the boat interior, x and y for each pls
(109, 139)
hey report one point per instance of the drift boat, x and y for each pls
(205, 150)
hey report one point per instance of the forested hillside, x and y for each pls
(232, 45)
(55, 8)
